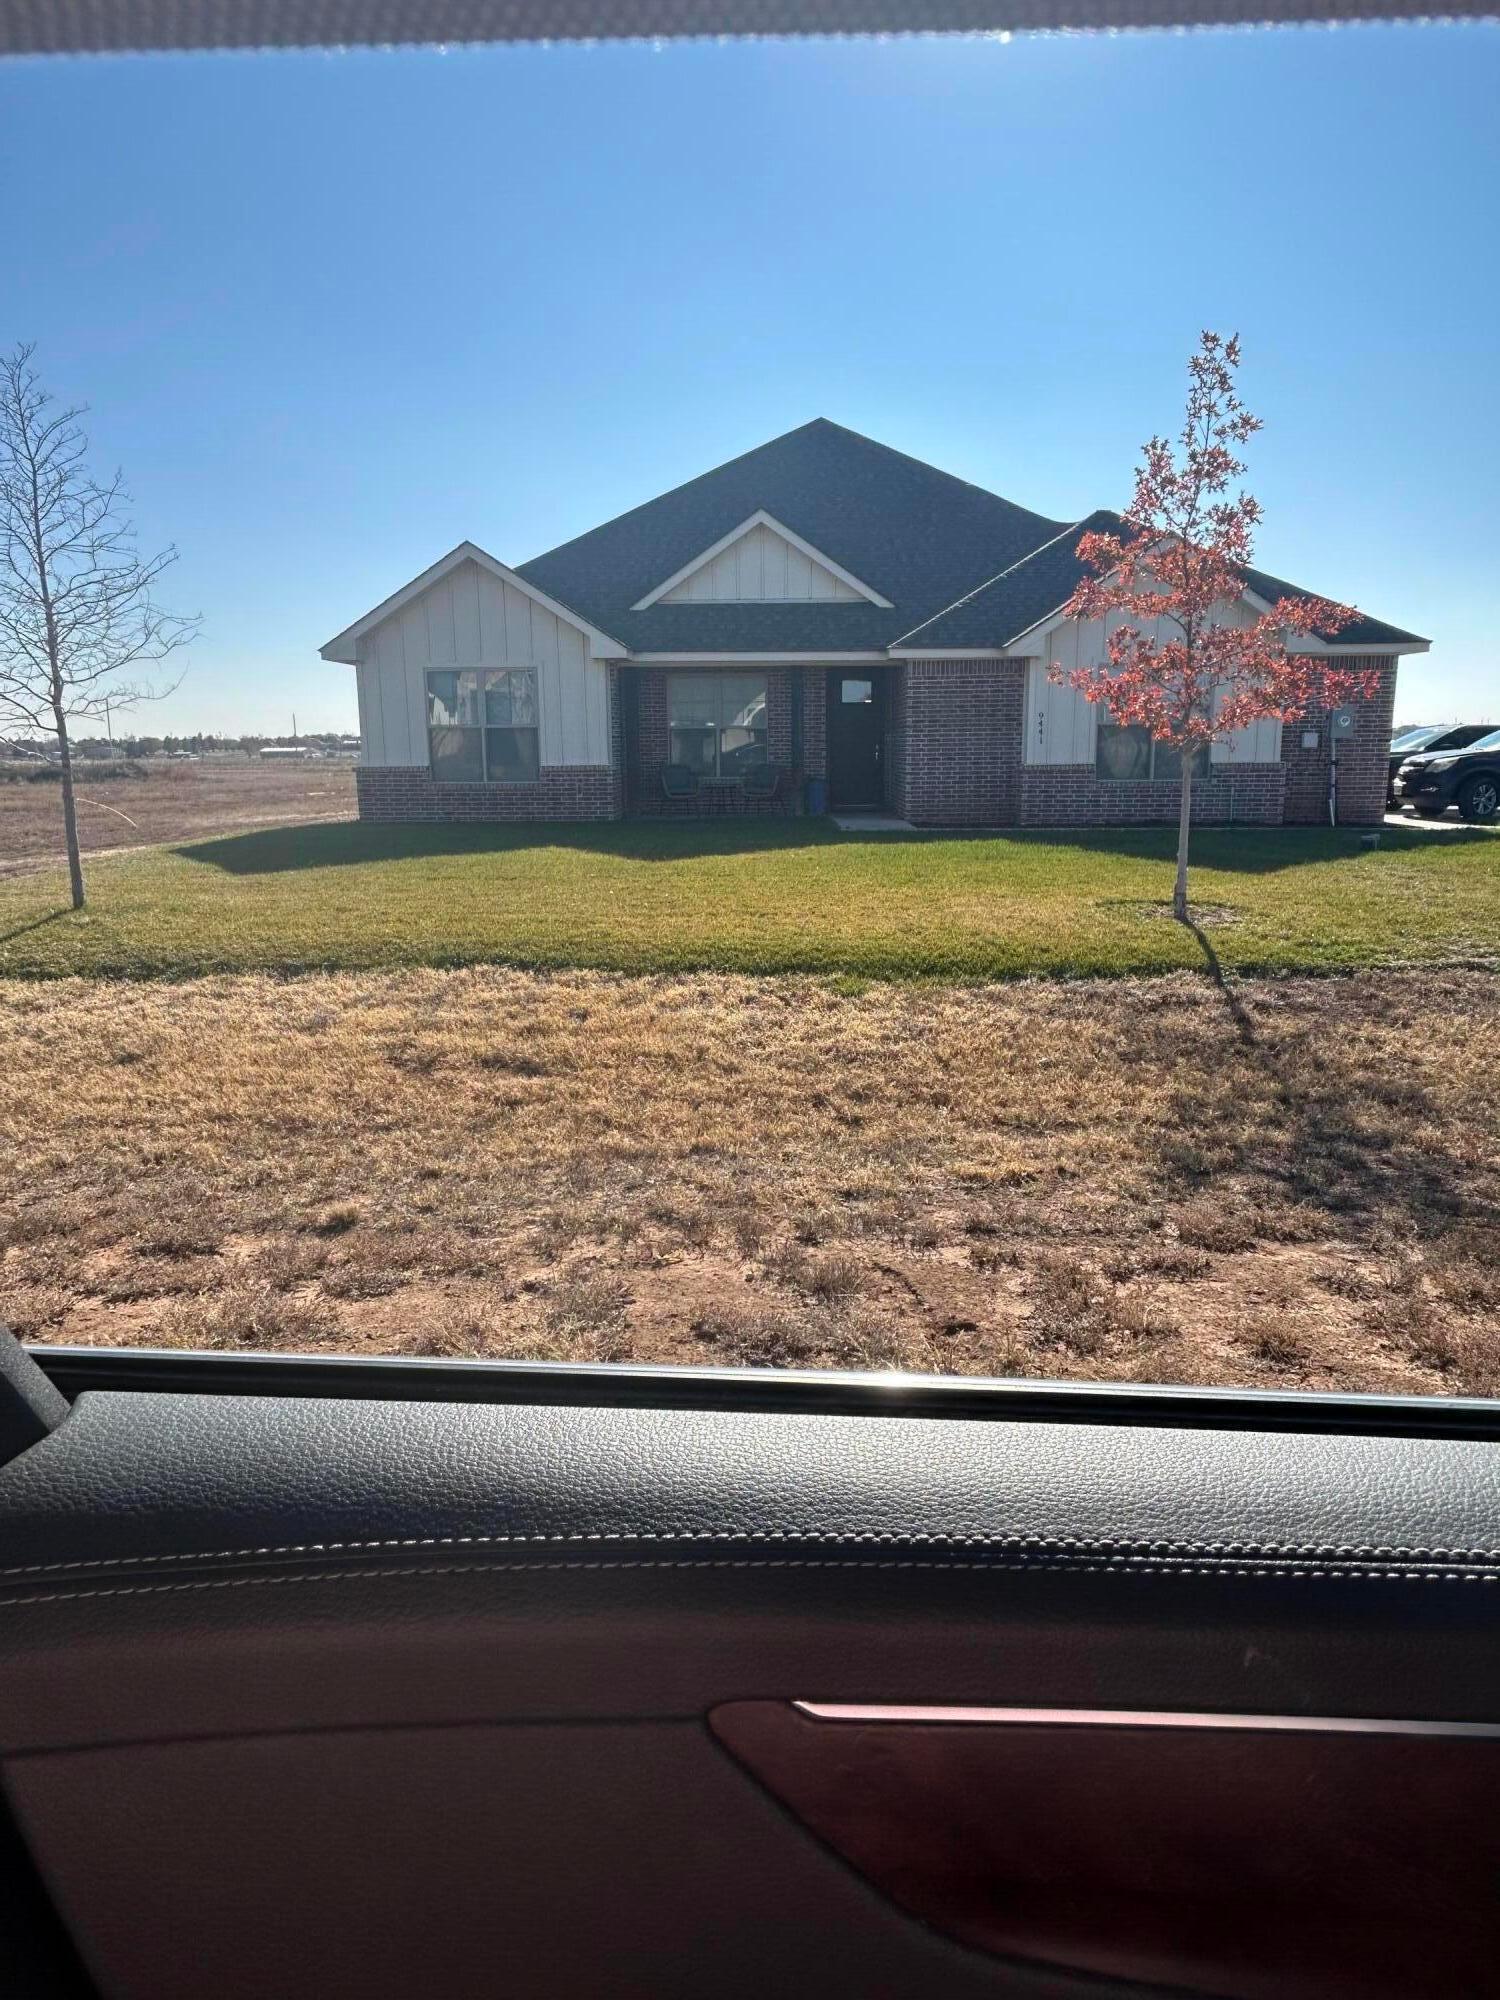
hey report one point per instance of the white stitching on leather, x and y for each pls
(877, 1537)
(1161, 1566)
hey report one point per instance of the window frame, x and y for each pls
(482, 727)
(720, 679)
(1154, 744)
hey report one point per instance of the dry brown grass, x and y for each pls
(1107, 1179)
(172, 802)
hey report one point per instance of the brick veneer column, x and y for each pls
(814, 722)
(958, 745)
(895, 738)
(617, 740)
(1363, 758)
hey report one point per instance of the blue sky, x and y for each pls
(334, 313)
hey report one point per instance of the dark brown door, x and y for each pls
(856, 740)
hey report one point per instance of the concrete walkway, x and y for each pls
(1451, 822)
(871, 823)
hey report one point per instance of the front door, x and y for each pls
(856, 741)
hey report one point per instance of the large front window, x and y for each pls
(482, 726)
(717, 722)
(1128, 753)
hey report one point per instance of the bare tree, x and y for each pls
(77, 616)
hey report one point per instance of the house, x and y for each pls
(872, 629)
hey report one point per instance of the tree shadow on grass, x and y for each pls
(282, 850)
(285, 850)
(1239, 1013)
(36, 924)
(1261, 850)
(1320, 1122)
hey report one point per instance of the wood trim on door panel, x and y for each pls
(1257, 1858)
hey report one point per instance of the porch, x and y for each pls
(741, 739)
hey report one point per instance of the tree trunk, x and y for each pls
(70, 812)
(1184, 820)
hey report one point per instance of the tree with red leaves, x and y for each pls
(1180, 664)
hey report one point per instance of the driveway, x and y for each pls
(1451, 822)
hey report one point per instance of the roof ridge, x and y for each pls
(681, 487)
(813, 424)
(1000, 575)
(923, 464)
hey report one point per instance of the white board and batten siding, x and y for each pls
(1061, 724)
(762, 567)
(470, 618)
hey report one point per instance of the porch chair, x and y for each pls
(679, 784)
(760, 784)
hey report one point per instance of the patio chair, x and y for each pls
(761, 783)
(679, 784)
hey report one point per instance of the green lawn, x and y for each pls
(794, 896)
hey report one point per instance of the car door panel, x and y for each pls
(1153, 1845)
(432, 1681)
(603, 1858)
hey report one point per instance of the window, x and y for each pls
(482, 726)
(717, 722)
(1128, 754)
(856, 691)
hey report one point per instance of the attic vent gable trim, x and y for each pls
(761, 519)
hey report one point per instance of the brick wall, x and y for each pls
(563, 792)
(1293, 792)
(643, 706)
(1363, 758)
(617, 740)
(959, 753)
(647, 744)
(1074, 795)
(814, 721)
(896, 740)
(952, 758)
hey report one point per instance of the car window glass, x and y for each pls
(710, 727)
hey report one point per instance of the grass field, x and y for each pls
(780, 898)
(1294, 1183)
(164, 801)
(766, 1095)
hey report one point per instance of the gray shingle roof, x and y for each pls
(1034, 588)
(1363, 631)
(1012, 602)
(917, 535)
(961, 566)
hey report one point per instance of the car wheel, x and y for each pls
(1479, 798)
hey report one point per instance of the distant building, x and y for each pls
(284, 753)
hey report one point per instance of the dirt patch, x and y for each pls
(1207, 916)
(169, 802)
(1296, 1185)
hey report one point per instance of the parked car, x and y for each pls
(1433, 737)
(1468, 778)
